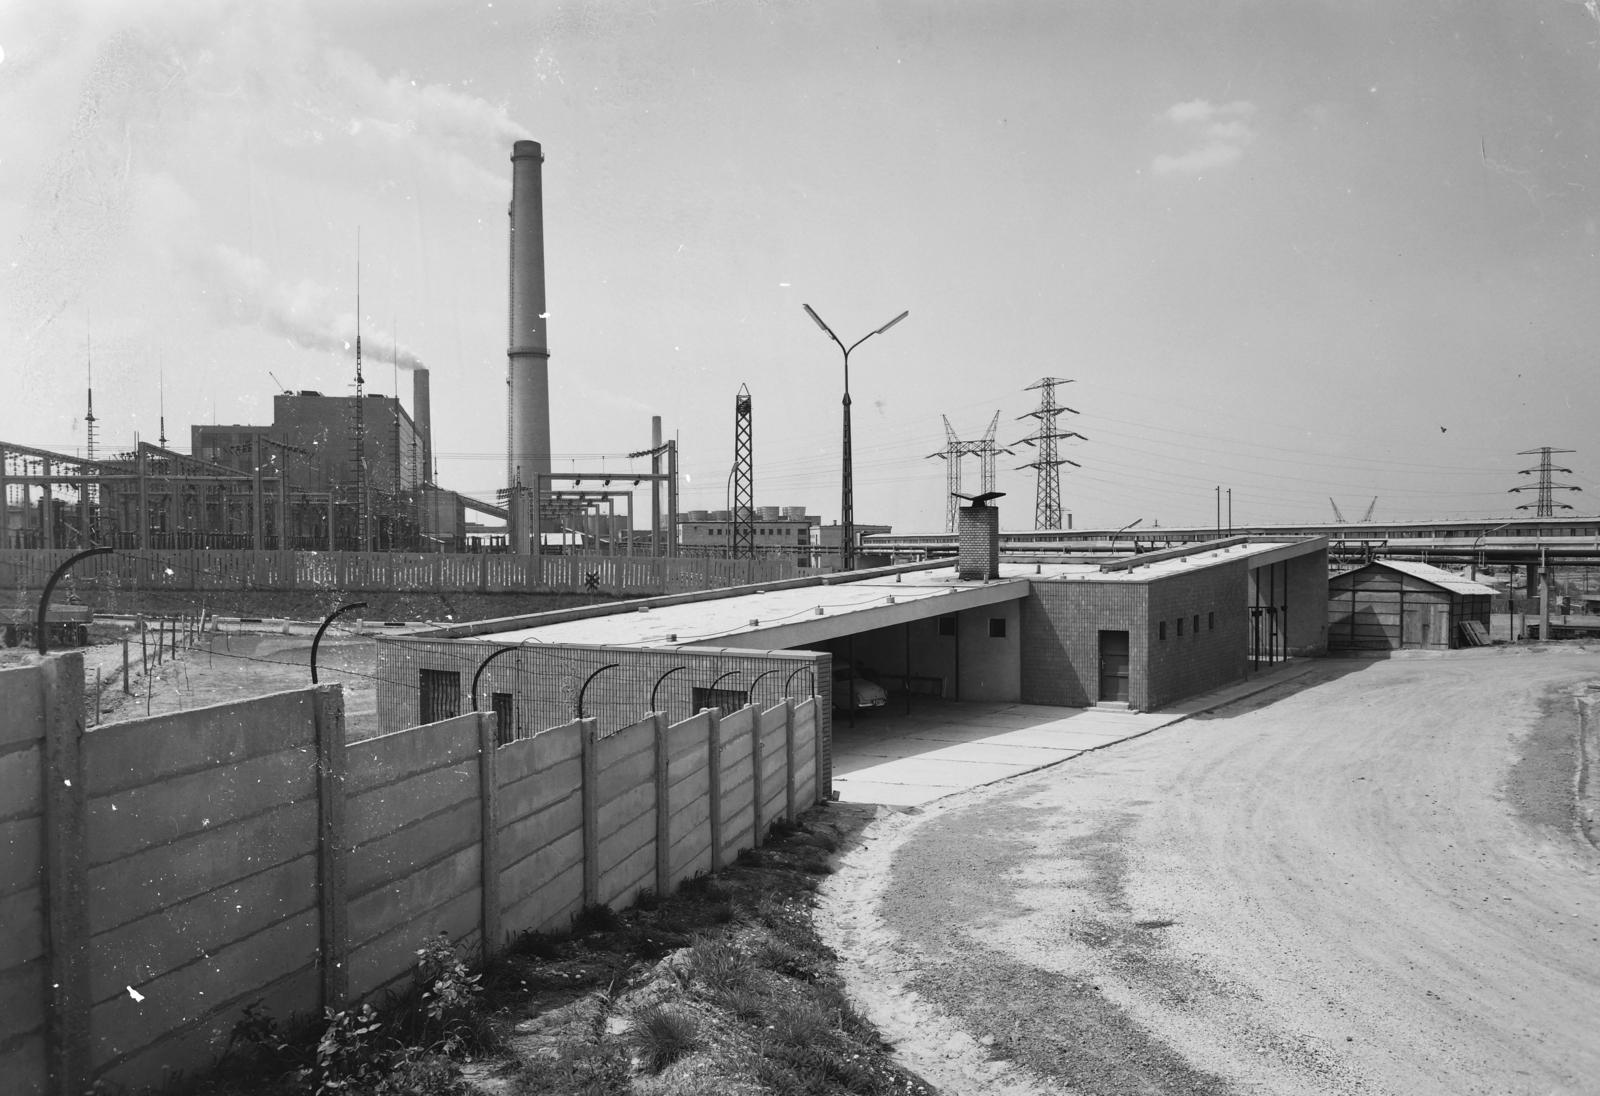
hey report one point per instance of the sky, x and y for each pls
(1292, 249)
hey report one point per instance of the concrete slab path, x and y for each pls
(947, 746)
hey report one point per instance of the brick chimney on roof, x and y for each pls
(978, 539)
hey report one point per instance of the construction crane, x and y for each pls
(1337, 517)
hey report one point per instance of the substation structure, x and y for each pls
(1139, 632)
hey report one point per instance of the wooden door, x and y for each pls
(1414, 621)
(1114, 666)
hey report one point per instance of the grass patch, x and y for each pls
(662, 1035)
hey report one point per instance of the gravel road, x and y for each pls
(1370, 880)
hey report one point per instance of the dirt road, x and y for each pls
(1370, 881)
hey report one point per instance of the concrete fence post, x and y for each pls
(489, 804)
(757, 732)
(328, 706)
(587, 732)
(788, 758)
(66, 877)
(714, 779)
(663, 809)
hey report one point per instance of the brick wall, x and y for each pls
(1061, 625)
(1193, 663)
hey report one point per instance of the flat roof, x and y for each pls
(793, 614)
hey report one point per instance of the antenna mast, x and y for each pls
(1047, 497)
(161, 396)
(744, 477)
(88, 418)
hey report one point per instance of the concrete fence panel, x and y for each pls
(626, 839)
(774, 770)
(201, 869)
(541, 829)
(24, 954)
(736, 785)
(413, 817)
(806, 760)
(688, 799)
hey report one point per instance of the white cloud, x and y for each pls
(1198, 160)
(1222, 127)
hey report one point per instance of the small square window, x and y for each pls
(1211, 621)
(947, 625)
(1197, 624)
(1161, 630)
(997, 627)
(1180, 627)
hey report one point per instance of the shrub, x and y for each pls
(348, 1055)
(538, 945)
(596, 918)
(663, 1035)
(647, 899)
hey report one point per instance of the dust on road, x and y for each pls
(1372, 880)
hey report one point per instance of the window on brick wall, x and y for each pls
(1161, 630)
(1197, 624)
(947, 625)
(997, 627)
(440, 695)
(1180, 627)
(1211, 621)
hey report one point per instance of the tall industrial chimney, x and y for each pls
(528, 427)
(422, 417)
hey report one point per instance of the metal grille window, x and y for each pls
(440, 695)
(729, 700)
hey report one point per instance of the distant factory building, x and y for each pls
(1391, 604)
(777, 531)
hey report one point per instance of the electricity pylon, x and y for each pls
(1047, 498)
(985, 449)
(1546, 507)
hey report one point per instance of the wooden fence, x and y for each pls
(358, 572)
(158, 875)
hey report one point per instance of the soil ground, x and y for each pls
(1373, 880)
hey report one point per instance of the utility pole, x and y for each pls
(955, 449)
(1546, 506)
(656, 547)
(744, 474)
(1047, 496)
(358, 433)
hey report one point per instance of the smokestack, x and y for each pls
(528, 443)
(422, 416)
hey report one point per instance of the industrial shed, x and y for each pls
(1388, 605)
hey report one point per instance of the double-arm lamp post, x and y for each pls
(847, 503)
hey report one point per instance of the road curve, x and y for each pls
(1371, 880)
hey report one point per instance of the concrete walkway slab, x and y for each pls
(944, 746)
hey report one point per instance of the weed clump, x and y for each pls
(596, 918)
(663, 1035)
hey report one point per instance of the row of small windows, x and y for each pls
(1193, 622)
(997, 626)
(724, 531)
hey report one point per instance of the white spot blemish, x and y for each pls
(68, 783)
(135, 994)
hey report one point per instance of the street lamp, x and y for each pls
(1472, 564)
(847, 504)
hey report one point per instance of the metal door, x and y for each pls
(1114, 666)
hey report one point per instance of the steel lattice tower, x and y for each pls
(1047, 498)
(985, 449)
(1546, 507)
(744, 478)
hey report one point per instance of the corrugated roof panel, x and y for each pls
(1439, 577)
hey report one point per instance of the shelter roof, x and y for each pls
(1437, 576)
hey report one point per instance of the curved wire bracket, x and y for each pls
(49, 588)
(317, 642)
(791, 678)
(758, 678)
(656, 688)
(591, 677)
(479, 674)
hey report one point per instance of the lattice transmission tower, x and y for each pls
(1547, 506)
(1047, 498)
(744, 477)
(358, 425)
(985, 449)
